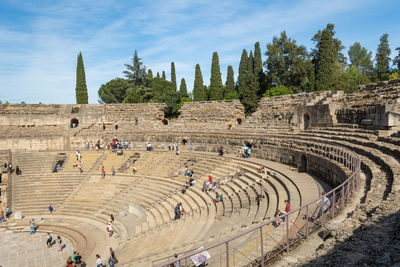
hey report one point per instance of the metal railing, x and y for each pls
(261, 243)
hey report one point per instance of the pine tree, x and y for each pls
(164, 77)
(199, 92)
(258, 68)
(230, 83)
(216, 88)
(136, 72)
(173, 76)
(243, 67)
(326, 58)
(382, 58)
(251, 61)
(183, 89)
(150, 74)
(81, 88)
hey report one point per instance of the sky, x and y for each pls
(40, 40)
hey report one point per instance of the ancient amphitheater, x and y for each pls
(340, 149)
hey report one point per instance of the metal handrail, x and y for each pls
(348, 159)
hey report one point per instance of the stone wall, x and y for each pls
(214, 114)
(131, 112)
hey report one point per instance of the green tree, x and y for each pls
(150, 74)
(396, 61)
(158, 75)
(382, 58)
(183, 89)
(326, 56)
(230, 92)
(360, 57)
(164, 77)
(138, 94)
(216, 88)
(199, 93)
(173, 75)
(286, 64)
(278, 90)
(243, 68)
(355, 77)
(136, 72)
(249, 96)
(81, 88)
(113, 91)
(258, 68)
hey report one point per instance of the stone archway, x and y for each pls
(306, 121)
(74, 123)
(164, 121)
(303, 163)
(239, 121)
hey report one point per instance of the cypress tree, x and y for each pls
(150, 74)
(163, 75)
(230, 82)
(183, 89)
(158, 74)
(258, 68)
(249, 94)
(325, 61)
(382, 58)
(216, 88)
(81, 88)
(199, 92)
(243, 67)
(173, 76)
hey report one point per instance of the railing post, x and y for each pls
(262, 247)
(227, 254)
(307, 230)
(333, 203)
(287, 233)
(342, 200)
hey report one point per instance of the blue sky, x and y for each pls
(40, 40)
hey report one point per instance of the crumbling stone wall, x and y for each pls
(215, 114)
(130, 112)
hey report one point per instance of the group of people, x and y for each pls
(209, 185)
(178, 211)
(279, 213)
(148, 146)
(112, 260)
(50, 242)
(75, 260)
(10, 169)
(244, 152)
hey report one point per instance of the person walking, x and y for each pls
(103, 172)
(59, 242)
(33, 227)
(113, 171)
(78, 260)
(112, 259)
(49, 240)
(99, 261)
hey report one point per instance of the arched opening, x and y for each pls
(239, 121)
(306, 119)
(74, 123)
(184, 141)
(164, 121)
(303, 163)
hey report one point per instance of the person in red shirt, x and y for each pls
(210, 179)
(287, 208)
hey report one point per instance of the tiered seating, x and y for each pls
(88, 158)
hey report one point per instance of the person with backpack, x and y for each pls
(112, 260)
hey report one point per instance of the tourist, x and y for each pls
(215, 186)
(287, 206)
(204, 189)
(261, 169)
(111, 218)
(104, 126)
(177, 152)
(239, 152)
(2, 217)
(58, 167)
(216, 197)
(229, 124)
(59, 242)
(10, 167)
(210, 179)
(278, 221)
(112, 171)
(136, 122)
(177, 263)
(221, 151)
(99, 261)
(109, 230)
(49, 241)
(169, 146)
(50, 208)
(33, 227)
(80, 166)
(190, 147)
(1, 176)
(248, 153)
(8, 212)
(325, 203)
(103, 172)
(221, 198)
(112, 260)
(78, 260)
(70, 262)
(116, 126)
(17, 170)
(181, 209)
(176, 212)
(134, 170)
(186, 171)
